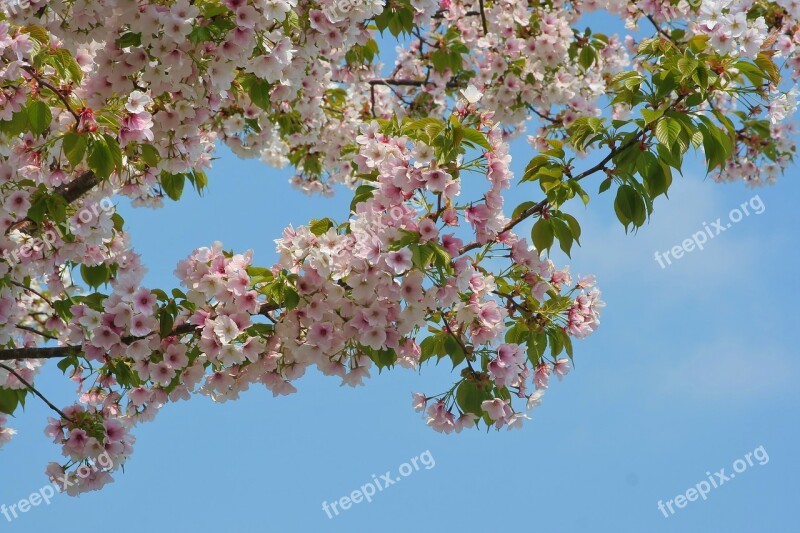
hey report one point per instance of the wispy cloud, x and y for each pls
(731, 370)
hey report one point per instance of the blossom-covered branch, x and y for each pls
(108, 99)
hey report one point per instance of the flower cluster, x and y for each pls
(90, 438)
(731, 32)
(105, 99)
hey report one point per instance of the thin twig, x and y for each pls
(34, 291)
(70, 192)
(483, 18)
(542, 115)
(658, 27)
(36, 392)
(538, 208)
(410, 83)
(36, 331)
(458, 340)
(56, 352)
(57, 92)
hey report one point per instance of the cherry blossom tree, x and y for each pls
(104, 99)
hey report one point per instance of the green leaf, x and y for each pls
(290, 299)
(542, 235)
(469, 397)
(259, 92)
(165, 322)
(69, 65)
(114, 150)
(57, 209)
(383, 358)
(587, 57)
(18, 123)
(537, 343)
(319, 227)
(769, 68)
(199, 179)
(101, 159)
(67, 362)
(95, 276)
(129, 39)
(517, 334)
(656, 174)
(74, 146)
(362, 194)
(37, 33)
(630, 207)
(173, 184)
(454, 350)
(563, 234)
(421, 255)
(667, 131)
(39, 117)
(475, 137)
(38, 209)
(651, 115)
(150, 154)
(432, 346)
(574, 227)
(8, 401)
(521, 208)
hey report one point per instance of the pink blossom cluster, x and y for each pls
(93, 435)
(416, 271)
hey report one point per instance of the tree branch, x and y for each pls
(409, 83)
(538, 208)
(483, 18)
(36, 392)
(50, 352)
(57, 92)
(658, 27)
(71, 192)
(457, 339)
(34, 291)
(36, 331)
(57, 352)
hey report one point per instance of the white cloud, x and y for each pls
(615, 257)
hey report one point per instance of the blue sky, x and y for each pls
(693, 367)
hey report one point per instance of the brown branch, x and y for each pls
(57, 92)
(658, 27)
(538, 208)
(52, 352)
(440, 14)
(57, 352)
(542, 115)
(34, 291)
(71, 192)
(457, 339)
(36, 392)
(483, 18)
(409, 83)
(510, 299)
(36, 331)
